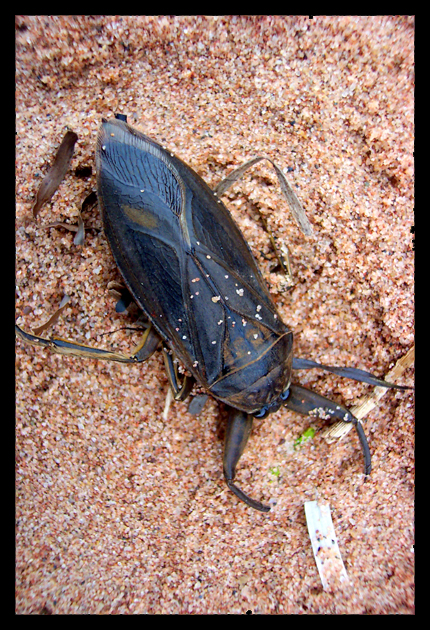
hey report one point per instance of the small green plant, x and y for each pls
(275, 472)
(305, 436)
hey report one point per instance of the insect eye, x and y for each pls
(264, 411)
(285, 394)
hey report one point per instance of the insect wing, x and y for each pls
(182, 256)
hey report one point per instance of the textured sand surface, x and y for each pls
(121, 511)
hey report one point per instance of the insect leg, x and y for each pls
(180, 390)
(305, 401)
(197, 403)
(122, 295)
(141, 352)
(352, 373)
(239, 426)
(295, 206)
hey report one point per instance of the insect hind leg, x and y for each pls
(147, 346)
(295, 206)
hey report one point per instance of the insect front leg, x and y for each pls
(306, 402)
(239, 426)
(147, 346)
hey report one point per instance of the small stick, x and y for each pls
(56, 173)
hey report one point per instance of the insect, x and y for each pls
(191, 272)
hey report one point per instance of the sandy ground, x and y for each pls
(121, 511)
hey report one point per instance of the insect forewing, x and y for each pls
(183, 257)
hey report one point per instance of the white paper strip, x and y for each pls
(324, 545)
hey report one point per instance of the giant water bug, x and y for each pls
(169, 231)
